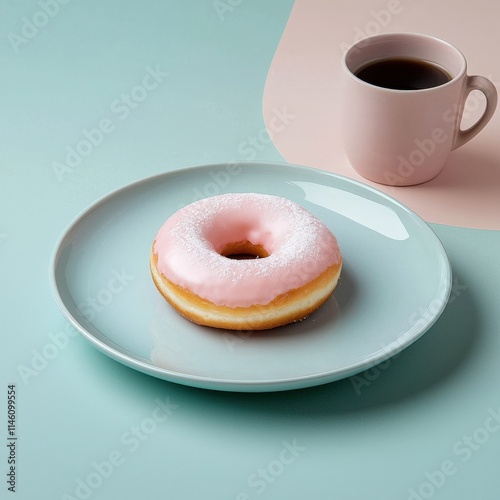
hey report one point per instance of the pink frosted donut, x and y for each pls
(295, 267)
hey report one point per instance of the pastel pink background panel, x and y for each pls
(303, 81)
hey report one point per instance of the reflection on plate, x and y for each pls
(395, 283)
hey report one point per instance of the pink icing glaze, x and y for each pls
(189, 243)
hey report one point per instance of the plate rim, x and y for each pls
(241, 385)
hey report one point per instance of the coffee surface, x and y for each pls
(403, 74)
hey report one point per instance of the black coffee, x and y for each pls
(403, 74)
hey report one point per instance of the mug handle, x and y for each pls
(490, 92)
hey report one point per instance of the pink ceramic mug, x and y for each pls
(403, 137)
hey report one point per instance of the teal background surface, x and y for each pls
(425, 424)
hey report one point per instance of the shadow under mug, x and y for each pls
(403, 137)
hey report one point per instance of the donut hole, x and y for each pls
(244, 250)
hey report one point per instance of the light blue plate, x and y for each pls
(394, 285)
